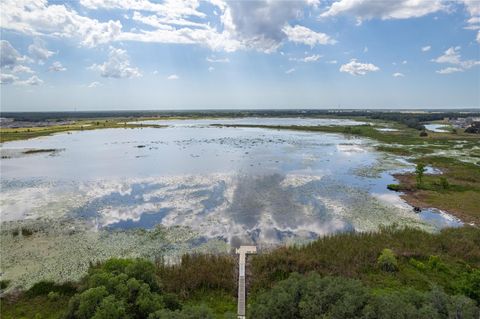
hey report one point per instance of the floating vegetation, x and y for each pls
(212, 191)
(45, 150)
(46, 254)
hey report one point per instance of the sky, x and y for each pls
(214, 54)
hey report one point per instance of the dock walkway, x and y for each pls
(242, 252)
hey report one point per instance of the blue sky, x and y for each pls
(145, 54)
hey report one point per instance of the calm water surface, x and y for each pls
(236, 184)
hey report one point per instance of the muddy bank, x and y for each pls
(420, 198)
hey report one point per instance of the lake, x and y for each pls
(204, 185)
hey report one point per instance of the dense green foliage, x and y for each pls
(312, 296)
(393, 273)
(387, 260)
(119, 289)
(139, 289)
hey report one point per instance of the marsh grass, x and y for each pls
(355, 255)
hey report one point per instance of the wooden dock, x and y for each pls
(242, 252)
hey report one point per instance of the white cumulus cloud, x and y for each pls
(117, 66)
(426, 48)
(33, 81)
(369, 9)
(307, 59)
(357, 68)
(218, 60)
(6, 78)
(57, 67)
(39, 50)
(449, 70)
(304, 35)
(94, 84)
(43, 18)
(9, 57)
(452, 56)
(398, 75)
(173, 77)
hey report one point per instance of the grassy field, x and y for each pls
(14, 134)
(456, 190)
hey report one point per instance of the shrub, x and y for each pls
(417, 264)
(43, 288)
(4, 284)
(444, 183)
(311, 296)
(53, 296)
(110, 308)
(191, 312)
(469, 285)
(435, 263)
(387, 260)
(393, 187)
(125, 288)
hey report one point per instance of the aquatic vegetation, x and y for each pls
(268, 187)
(46, 254)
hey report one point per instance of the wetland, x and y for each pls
(163, 188)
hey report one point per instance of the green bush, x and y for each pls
(444, 183)
(417, 264)
(191, 312)
(435, 263)
(53, 296)
(110, 308)
(43, 288)
(393, 187)
(387, 260)
(311, 297)
(469, 285)
(124, 288)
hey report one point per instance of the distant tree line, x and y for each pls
(410, 118)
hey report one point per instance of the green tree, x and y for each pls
(332, 297)
(419, 171)
(128, 285)
(311, 296)
(83, 306)
(110, 308)
(387, 260)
